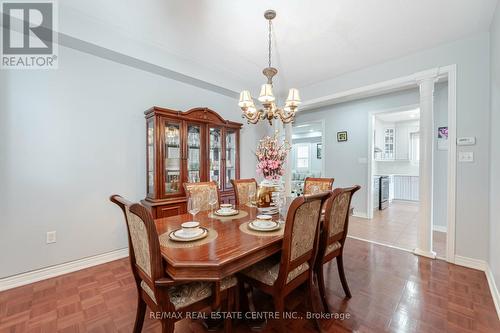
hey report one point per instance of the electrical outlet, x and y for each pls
(51, 237)
(466, 156)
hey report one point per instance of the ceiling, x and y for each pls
(313, 40)
(394, 117)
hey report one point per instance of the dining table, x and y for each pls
(227, 250)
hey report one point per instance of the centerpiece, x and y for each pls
(271, 157)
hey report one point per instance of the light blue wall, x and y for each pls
(495, 148)
(472, 57)
(71, 137)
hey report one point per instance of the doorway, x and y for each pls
(306, 154)
(394, 173)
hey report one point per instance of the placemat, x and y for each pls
(244, 228)
(240, 214)
(167, 242)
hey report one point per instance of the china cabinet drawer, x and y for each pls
(170, 210)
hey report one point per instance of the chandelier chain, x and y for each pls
(270, 36)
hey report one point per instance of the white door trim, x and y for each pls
(401, 83)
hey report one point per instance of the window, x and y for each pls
(415, 146)
(302, 156)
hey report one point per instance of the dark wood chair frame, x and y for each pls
(159, 282)
(281, 289)
(241, 181)
(325, 240)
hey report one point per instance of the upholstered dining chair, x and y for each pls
(280, 275)
(242, 188)
(201, 191)
(317, 184)
(155, 288)
(332, 237)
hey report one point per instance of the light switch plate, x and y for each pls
(466, 156)
(466, 141)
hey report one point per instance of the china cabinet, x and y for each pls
(193, 146)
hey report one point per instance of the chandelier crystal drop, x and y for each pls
(269, 109)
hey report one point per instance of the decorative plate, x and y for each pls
(174, 235)
(264, 225)
(230, 213)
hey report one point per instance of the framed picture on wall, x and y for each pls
(442, 141)
(319, 146)
(342, 136)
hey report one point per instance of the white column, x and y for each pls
(424, 244)
(288, 173)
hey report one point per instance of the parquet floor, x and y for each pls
(393, 291)
(396, 226)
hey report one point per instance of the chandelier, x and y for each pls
(269, 109)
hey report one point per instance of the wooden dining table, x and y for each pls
(231, 251)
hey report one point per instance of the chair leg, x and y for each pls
(167, 326)
(311, 290)
(279, 307)
(343, 280)
(322, 288)
(139, 315)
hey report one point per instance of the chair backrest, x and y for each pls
(336, 220)
(300, 240)
(242, 188)
(144, 244)
(321, 184)
(201, 192)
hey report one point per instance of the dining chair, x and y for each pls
(242, 188)
(281, 274)
(312, 185)
(201, 191)
(154, 287)
(332, 237)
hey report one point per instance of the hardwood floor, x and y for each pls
(393, 291)
(395, 226)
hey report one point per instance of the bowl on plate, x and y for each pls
(191, 229)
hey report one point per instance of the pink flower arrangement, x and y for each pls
(271, 157)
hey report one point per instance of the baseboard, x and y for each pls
(493, 289)
(471, 263)
(362, 215)
(56, 270)
(485, 267)
(439, 228)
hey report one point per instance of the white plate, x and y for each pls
(173, 236)
(271, 211)
(220, 212)
(180, 233)
(264, 225)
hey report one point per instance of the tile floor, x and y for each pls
(396, 226)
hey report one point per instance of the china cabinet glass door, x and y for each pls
(230, 157)
(172, 154)
(215, 154)
(194, 153)
(151, 156)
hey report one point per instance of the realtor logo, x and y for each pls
(28, 35)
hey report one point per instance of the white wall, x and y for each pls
(69, 138)
(471, 55)
(495, 148)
